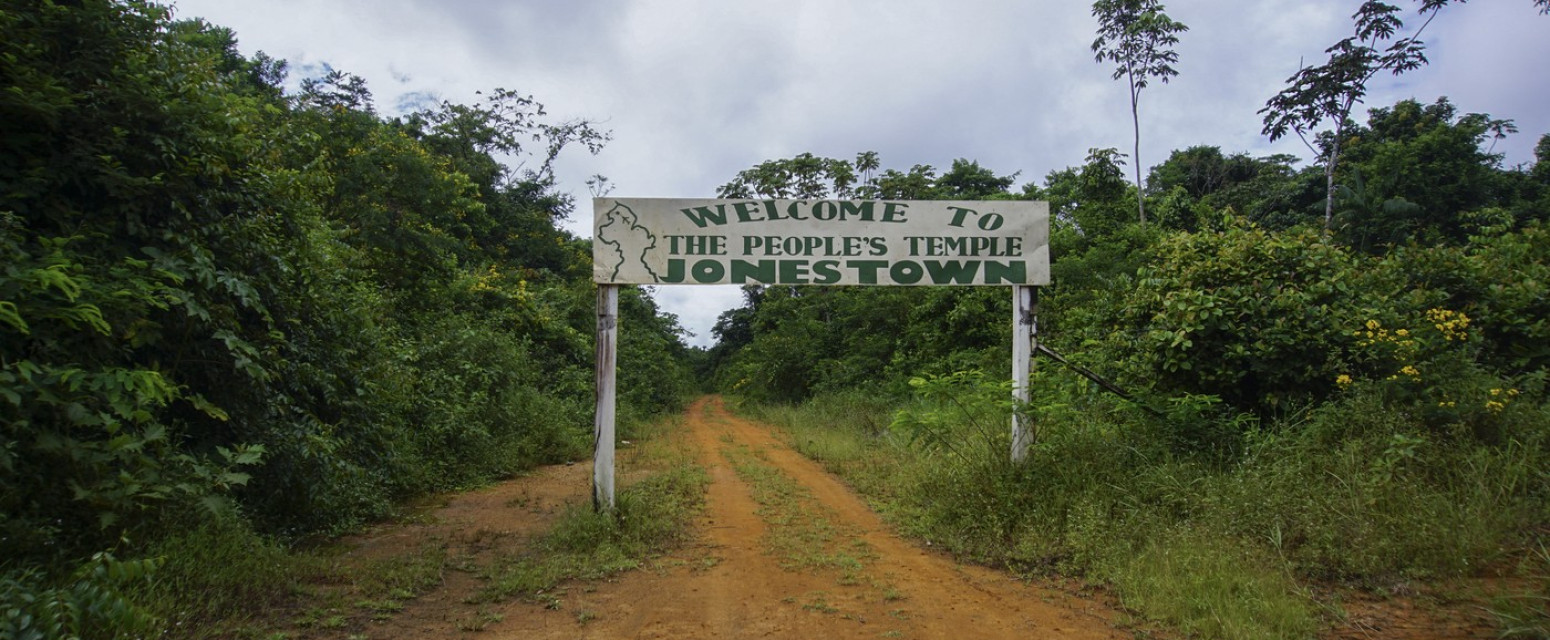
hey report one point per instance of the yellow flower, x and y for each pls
(1410, 371)
(1447, 404)
(1343, 380)
(1496, 392)
(1402, 333)
(1494, 406)
(1373, 325)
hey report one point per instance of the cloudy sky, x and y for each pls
(696, 90)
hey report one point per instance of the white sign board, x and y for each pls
(795, 242)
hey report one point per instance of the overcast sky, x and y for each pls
(696, 90)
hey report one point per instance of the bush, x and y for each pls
(1259, 319)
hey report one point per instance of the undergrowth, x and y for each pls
(1219, 542)
(651, 515)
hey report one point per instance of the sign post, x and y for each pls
(603, 422)
(657, 241)
(1025, 336)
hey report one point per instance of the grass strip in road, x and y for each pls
(802, 534)
(652, 516)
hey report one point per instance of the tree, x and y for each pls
(804, 176)
(1267, 189)
(1324, 95)
(1138, 37)
(967, 180)
(1431, 156)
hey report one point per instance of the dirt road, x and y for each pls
(783, 550)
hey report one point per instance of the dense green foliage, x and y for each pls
(225, 306)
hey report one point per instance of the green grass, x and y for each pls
(847, 433)
(1213, 588)
(651, 516)
(1525, 612)
(1353, 492)
(801, 533)
(221, 577)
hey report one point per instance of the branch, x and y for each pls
(1107, 386)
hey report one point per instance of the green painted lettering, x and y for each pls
(866, 270)
(1014, 272)
(702, 215)
(762, 272)
(853, 245)
(952, 271)
(745, 211)
(794, 210)
(958, 214)
(675, 271)
(708, 271)
(812, 243)
(906, 272)
(793, 272)
(862, 210)
(827, 271)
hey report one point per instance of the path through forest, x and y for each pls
(782, 550)
(860, 581)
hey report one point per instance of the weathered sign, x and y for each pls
(840, 242)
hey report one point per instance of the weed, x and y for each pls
(705, 563)
(1526, 613)
(382, 606)
(651, 515)
(1213, 588)
(480, 620)
(819, 602)
(237, 575)
(406, 576)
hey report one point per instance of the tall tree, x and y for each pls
(1138, 38)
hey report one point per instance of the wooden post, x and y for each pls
(603, 425)
(1025, 336)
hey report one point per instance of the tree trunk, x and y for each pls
(1135, 121)
(1329, 183)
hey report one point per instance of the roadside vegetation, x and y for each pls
(236, 317)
